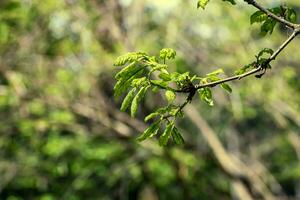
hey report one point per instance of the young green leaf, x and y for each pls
(265, 51)
(150, 131)
(291, 15)
(178, 139)
(202, 4)
(164, 138)
(213, 78)
(121, 86)
(159, 83)
(206, 95)
(165, 76)
(216, 72)
(128, 58)
(258, 16)
(124, 83)
(128, 99)
(138, 82)
(170, 95)
(244, 68)
(268, 26)
(127, 70)
(158, 67)
(167, 53)
(226, 87)
(151, 115)
(136, 100)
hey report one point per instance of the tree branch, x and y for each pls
(270, 14)
(191, 89)
(194, 88)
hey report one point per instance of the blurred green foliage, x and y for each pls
(62, 136)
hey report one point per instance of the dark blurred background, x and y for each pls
(62, 135)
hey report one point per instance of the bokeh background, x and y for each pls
(62, 135)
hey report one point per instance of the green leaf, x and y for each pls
(276, 10)
(150, 116)
(206, 95)
(226, 87)
(158, 67)
(264, 63)
(165, 76)
(178, 139)
(138, 82)
(164, 138)
(128, 71)
(167, 53)
(163, 110)
(155, 89)
(268, 26)
(202, 4)
(124, 83)
(244, 68)
(265, 51)
(170, 95)
(231, 1)
(150, 131)
(258, 16)
(128, 99)
(291, 15)
(213, 78)
(136, 100)
(159, 83)
(128, 58)
(216, 72)
(121, 86)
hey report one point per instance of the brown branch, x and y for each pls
(270, 14)
(292, 36)
(191, 89)
(254, 71)
(237, 77)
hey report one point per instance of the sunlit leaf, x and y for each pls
(216, 72)
(167, 53)
(151, 115)
(170, 95)
(226, 87)
(164, 138)
(206, 95)
(258, 16)
(136, 100)
(178, 139)
(265, 51)
(128, 99)
(150, 131)
(202, 3)
(128, 58)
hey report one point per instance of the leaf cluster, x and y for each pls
(142, 72)
(268, 23)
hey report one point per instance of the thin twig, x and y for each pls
(272, 57)
(270, 14)
(262, 67)
(292, 36)
(251, 72)
(214, 83)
